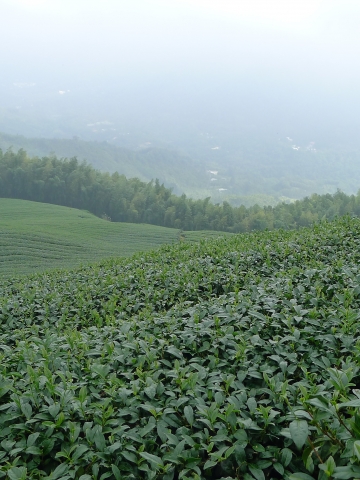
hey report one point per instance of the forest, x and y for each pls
(114, 197)
(251, 170)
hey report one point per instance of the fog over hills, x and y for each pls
(260, 172)
(264, 93)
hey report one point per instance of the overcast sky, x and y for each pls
(168, 36)
(279, 54)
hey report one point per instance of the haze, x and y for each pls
(169, 71)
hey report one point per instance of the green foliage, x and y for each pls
(235, 358)
(69, 183)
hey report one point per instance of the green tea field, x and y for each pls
(39, 236)
(233, 358)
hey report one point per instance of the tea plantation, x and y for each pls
(38, 237)
(226, 359)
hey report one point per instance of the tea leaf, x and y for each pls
(299, 432)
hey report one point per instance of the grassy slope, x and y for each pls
(38, 236)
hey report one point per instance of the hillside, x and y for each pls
(251, 170)
(228, 359)
(147, 163)
(38, 236)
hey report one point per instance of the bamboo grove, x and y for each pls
(74, 184)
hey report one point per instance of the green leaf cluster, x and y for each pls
(228, 359)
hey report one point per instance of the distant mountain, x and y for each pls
(175, 170)
(254, 170)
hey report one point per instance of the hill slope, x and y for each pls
(234, 358)
(38, 236)
(256, 170)
(177, 171)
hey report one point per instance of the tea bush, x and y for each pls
(228, 359)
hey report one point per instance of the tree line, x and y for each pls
(73, 184)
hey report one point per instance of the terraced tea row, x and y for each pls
(39, 237)
(29, 231)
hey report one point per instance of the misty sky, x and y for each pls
(282, 63)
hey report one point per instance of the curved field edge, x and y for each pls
(234, 358)
(39, 237)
